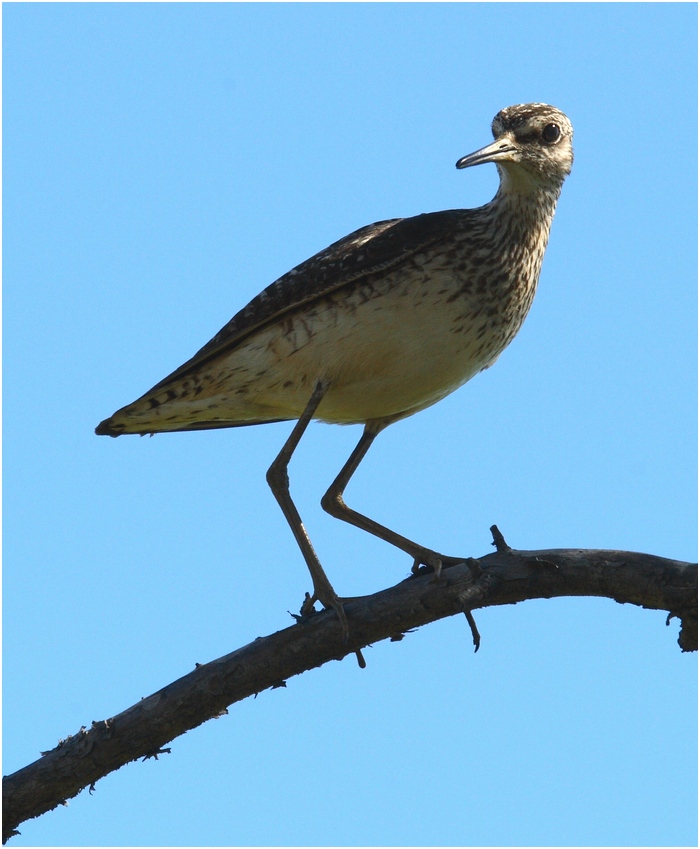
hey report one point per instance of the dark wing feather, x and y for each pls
(376, 247)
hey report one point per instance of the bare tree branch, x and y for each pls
(504, 577)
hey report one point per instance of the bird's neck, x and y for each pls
(528, 208)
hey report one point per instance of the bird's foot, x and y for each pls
(330, 601)
(430, 561)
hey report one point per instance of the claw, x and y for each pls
(330, 602)
(337, 605)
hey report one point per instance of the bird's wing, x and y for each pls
(376, 247)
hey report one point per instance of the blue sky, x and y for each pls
(162, 164)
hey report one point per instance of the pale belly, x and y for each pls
(386, 350)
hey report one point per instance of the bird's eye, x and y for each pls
(551, 133)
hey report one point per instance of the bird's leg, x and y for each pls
(278, 479)
(333, 503)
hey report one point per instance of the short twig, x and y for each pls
(498, 540)
(476, 636)
(155, 753)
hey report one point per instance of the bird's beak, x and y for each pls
(495, 152)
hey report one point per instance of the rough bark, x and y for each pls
(504, 577)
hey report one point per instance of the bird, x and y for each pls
(378, 326)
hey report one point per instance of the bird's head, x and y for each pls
(533, 146)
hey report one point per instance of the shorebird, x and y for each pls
(378, 326)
